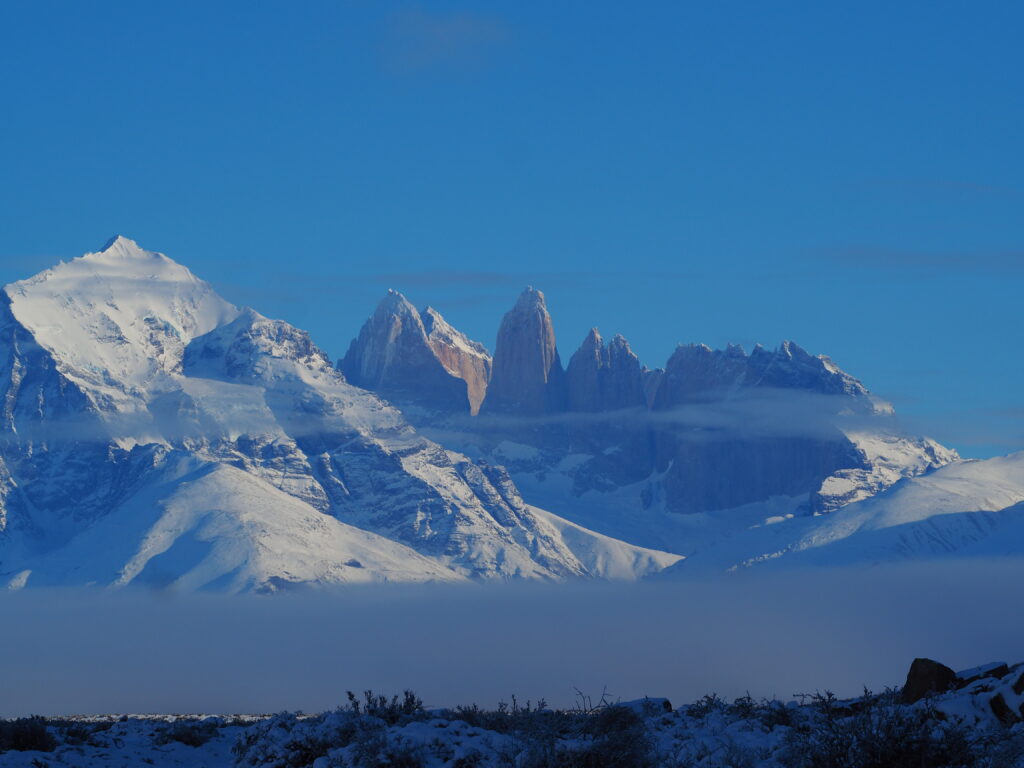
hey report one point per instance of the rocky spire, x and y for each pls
(461, 356)
(394, 357)
(527, 376)
(604, 377)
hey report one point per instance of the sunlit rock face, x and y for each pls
(711, 431)
(527, 377)
(151, 433)
(393, 356)
(461, 356)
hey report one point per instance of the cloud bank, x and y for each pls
(772, 635)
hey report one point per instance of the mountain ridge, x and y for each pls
(159, 369)
(155, 434)
(693, 434)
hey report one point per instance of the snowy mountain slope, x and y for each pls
(213, 526)
(117, 321)
(887, 458)
(107, 396)
(603, 555)
(467, 515)
(967, 509)
(941, 513)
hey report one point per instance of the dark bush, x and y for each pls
(705, 705)
(409, 707)
(26, 734)
(189, 733)
(878, 733)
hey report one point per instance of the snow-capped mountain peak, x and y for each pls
(155, 433)
(116, 320)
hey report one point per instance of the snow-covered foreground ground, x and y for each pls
(975, 719)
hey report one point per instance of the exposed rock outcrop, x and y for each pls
(395, 356)
(927, 677)
(527, 377)
(713, 430)
(604, 377)
(696, 372)
(719, 446)
(461, 356)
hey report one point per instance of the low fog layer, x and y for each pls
(64, 652)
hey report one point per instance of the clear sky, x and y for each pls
(847, 175)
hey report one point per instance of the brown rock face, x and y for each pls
(461, 357)
(926, 677)
(604, 377)
(526, 377)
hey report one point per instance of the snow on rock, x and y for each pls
(121, 369)
(213, 526)
(943, 512)
(461, 356)
(117, 320)
(408, 356)
(888, 458)
(714, 431)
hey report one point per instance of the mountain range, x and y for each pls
(155, 434)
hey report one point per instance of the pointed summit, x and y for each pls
(120, 242)
(396, 303)
(593, 340)
(531, 299)
(120, 250)
(393, 355)
(604, 377)
(527, 375)
(122, 315)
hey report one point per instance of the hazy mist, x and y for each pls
(76, 651)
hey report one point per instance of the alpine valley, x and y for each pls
(154, 434)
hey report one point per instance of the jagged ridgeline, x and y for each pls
(712, 430)
(155, 434)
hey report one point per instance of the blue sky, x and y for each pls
(846, 175)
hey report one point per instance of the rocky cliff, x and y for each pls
(527, 377)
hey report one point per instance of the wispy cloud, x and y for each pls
(753, 414)
(976, 260)
(417, 39)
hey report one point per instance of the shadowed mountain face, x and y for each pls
(604, 377)
(713, 430)
(152, 433)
